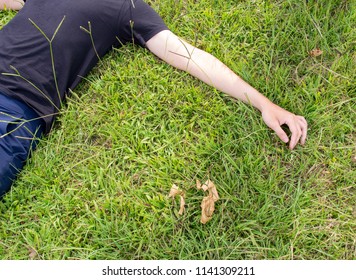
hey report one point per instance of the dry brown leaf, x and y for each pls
(316, 52)
(32, 253)
(204, 187)
(207, 209)
(208, 203)
(173, 193)
(212, 190)
(198, 184)
(182, 204)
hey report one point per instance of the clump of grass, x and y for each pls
(97, 187)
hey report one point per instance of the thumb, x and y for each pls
(280, 133)
(273, 123)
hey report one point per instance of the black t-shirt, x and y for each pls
(50, 45)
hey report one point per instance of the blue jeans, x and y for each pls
(20, 129)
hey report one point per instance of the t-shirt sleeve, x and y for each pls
(141, 23)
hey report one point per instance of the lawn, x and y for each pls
(97, 186)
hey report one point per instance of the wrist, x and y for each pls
(264, 104)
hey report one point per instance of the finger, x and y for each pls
(301, 118)
(304, 128)
(295, 138)
(296, 133)
(280, 133)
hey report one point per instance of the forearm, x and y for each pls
(11, 4)
(212, 71)
(207, 68)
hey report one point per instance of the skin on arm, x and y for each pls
(212, 71)
(11, 4)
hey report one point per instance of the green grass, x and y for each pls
(97, 186)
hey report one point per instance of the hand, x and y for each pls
(275, 116)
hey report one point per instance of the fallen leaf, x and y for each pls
(198, 184)
(212, 189)
(182, 204)
(204, 187)
(208, 186)
(207, 209)
(173, 193)
(32, 252)
(208, 203)
(316, 52)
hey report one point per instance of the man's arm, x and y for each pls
(210, 70)
(11, 4)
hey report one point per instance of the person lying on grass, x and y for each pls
(49, 46)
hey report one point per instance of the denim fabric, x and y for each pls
(20, 129)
